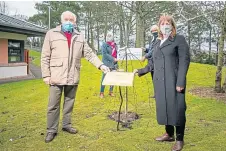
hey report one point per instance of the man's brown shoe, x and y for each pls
(70, 130)
(165, 137)
(50, 136)
(178, 146)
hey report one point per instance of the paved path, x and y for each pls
(36, 71)
(10, 80)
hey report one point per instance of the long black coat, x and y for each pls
(171, 62)
(147, 69)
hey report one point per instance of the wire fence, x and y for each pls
(29, 47)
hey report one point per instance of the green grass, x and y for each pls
(25, 106)
(36, 56)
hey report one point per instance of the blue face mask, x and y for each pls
(67, 27)
(155, 34)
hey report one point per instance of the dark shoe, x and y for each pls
(178, 146)
(165, 137)
(50, 136)
(70, 130)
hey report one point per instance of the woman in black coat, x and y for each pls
(170, 60)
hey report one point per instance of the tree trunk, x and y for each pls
(199, 42)
(210, 41)
(218, 79)
(85, 30)
(98, 37)
(139, 26)
(113, 30)
(105, 27)
(91, 33)
(144, 37)
(122, 27)
(224, 85)
(91, 37)
(88, 33)
(127, 30)
(217, 52)
(127, 35)
(189, 37)
(124, 31)
(121, 43)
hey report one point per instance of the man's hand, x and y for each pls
(104, 69)
(47, 80)
(115, 60)
(143, 49)
(179, 89)
(143, 59)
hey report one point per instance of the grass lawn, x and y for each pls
(23, 108)
(36, 57)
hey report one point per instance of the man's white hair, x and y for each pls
(154, 27)
(67, 12)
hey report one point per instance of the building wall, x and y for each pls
(9, 70)
(13, 71)
(6, 35)
(3, 51)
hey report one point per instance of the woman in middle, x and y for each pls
(109, 58)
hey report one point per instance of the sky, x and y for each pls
(22, 7)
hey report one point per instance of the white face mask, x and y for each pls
(166, 29)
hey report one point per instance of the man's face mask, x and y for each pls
(67, 26)
(155, 34)
(166, 29)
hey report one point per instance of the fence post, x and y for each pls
(26, 57)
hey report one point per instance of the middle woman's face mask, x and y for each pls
(67, 26)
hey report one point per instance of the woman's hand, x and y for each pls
(179, 89)
(135, 71)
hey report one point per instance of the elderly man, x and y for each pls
(148, 55)
(61, 56)
(148, 51)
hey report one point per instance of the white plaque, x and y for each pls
(132, 54)
(119, 79)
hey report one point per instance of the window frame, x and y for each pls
(21, 49)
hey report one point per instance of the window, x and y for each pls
(15, 51)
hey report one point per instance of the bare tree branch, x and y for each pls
(130, 8)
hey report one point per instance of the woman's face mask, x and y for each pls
(67, 26)
(166, 29)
